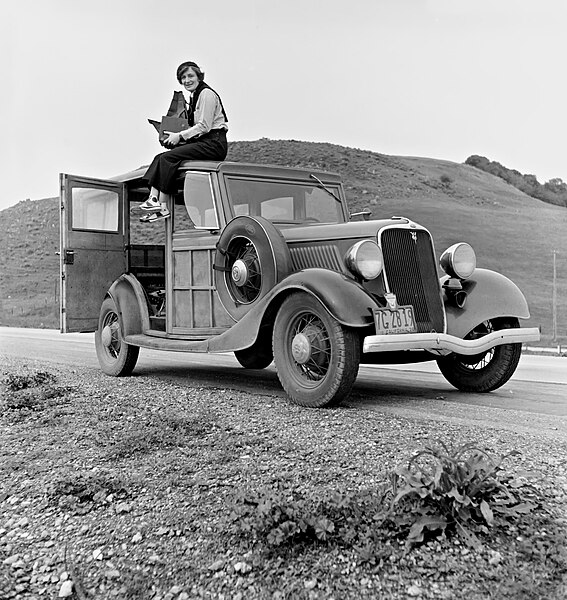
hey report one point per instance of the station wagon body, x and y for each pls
(268, 263)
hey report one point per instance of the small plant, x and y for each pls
(30, 391)
(15, 382)
(445, 180)
(80, 491)
(161, 431)
(281, 517)
(461, 489)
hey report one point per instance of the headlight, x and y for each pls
(364, 259)
(459, 260)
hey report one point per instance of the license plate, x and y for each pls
(400, 320)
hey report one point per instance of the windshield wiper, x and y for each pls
(324, 187)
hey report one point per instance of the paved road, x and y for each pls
(535, 398)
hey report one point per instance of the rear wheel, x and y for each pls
(115, 356)
(316, 357)
(487, 371)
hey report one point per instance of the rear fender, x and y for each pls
(131, 305)
(489, 295)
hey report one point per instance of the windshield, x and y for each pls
(284, 202)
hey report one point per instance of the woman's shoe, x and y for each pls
(151, 204)
(155, 216)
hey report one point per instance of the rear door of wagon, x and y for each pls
(94, 242)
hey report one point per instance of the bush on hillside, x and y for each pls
(553, 192)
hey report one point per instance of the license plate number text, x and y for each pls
(400, 320)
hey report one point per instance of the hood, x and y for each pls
(355, 230)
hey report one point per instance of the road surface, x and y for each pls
(534, 399)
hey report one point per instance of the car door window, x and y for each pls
(94, 210)
(199, 201)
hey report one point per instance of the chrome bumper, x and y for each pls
(443, 343)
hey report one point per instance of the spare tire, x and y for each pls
(251, 257)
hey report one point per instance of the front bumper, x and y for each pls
(443, 343)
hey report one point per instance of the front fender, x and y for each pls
(345, 299)
(129, 297)
(489, 295)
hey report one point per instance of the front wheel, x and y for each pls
(316, 357)
(115, 357)
(487, 371)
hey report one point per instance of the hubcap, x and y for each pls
(244, 279)
(301, 348)
(310, 348)
(106, 336)
(239, 272)
(110, 336)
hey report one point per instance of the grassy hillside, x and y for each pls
(29, 273)
(510, 231)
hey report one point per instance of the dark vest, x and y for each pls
(193, 103)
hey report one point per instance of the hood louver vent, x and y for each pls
(325, 256)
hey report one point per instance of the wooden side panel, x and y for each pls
(202, 268)
(197, 309)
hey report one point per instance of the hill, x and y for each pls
(511, 232)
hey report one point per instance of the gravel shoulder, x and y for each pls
(125, 487)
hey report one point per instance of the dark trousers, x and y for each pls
(162, 173)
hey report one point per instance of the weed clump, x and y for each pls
(30, 391)
(20, 381)
(80, 492)
(462, 490)
(160, 431)
(280, 517)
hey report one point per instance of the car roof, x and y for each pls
(241, 168)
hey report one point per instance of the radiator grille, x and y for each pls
(411, 273)
(325, 256)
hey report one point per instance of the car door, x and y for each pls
(94, 241)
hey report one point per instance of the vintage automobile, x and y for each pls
(268, 263)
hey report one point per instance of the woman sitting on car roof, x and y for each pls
(204, 139)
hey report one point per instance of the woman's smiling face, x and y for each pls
(189, 79)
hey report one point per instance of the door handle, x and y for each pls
(68, 257)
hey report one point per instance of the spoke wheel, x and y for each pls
(251, 258)
(487, 371)
(114, 356)
(316, 358)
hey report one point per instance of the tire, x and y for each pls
(258, 356)
(316, 358)
(251, 257)
(115, 357)
(487, 371)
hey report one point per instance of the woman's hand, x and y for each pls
(173, 139)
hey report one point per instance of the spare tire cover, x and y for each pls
(251, 257)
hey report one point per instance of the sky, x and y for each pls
(433, 78)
